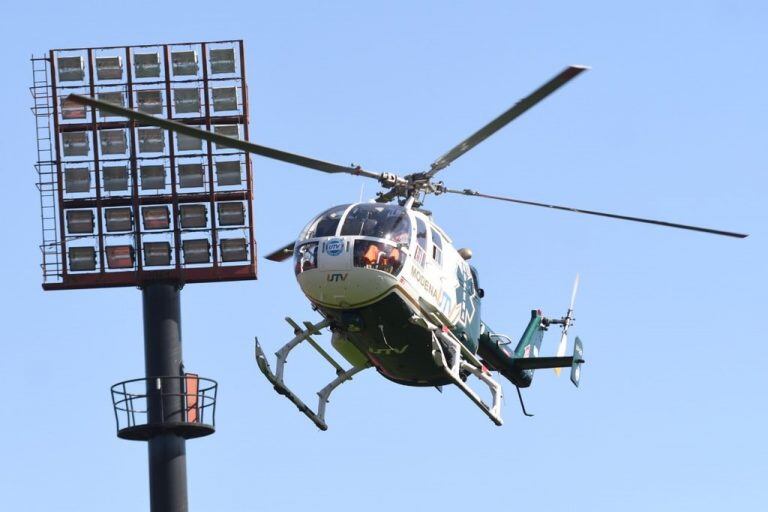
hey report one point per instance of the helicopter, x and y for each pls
(392, 288)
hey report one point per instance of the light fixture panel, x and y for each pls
(80, 222)
(233, 249)
(113, 142)
(118, 219)
(75, 143)
(151, 140)
(156, 217)
(193, 216)
(196, 251)
(119, 256)
(224, 98)
(146, 65)
(157, 254)
(152, 177)
(82, 259)
(186, 100)
(222, 60)
(229, 130)
(231, 214)
(115, 178)
(109, 68)
(187, 143)
(150, 101)
(71, 69)
(71, 110)
(184, 63)
(77, 180)
(228, 173)
(191, 175)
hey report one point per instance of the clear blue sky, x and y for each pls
(670, 123)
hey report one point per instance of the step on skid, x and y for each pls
(459, 363)
(276, 378)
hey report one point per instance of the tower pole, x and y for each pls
(165, 392)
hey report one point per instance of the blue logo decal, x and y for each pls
(334, 247)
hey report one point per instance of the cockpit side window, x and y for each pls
(389, 222)
(325, 224)
(437, 247)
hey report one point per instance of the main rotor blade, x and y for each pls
(468, 192)
(217, 138)
(513, 112)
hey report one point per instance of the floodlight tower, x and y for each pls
(129, 205)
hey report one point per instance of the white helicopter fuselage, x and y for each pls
(391, 266)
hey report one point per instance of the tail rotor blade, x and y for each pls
(567, 321)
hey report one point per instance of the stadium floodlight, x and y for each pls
(228, 173)
(196, 251)
(156, 217)
(113, 142)
(187, 143)
(151, 140)
(82, 259)
(231, 214)
(184, 63)
(191, 175)
(75, 143)
(71, 69)
(157, 254)
(119, 256)
(77, 180)
(230, 130)
(115, 178)
(222, 60)
(224, 98)
(125, 204)
(71, 110)
(152, 176)
(150, 101)
(146, 65)
(109, 68)
(80, 221)
(115, 97)
(119, 219)
(233, 249)
(186, 100)
(193, 216)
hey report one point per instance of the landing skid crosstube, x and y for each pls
(276, 378)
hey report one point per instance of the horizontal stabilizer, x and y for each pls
(282, 253)
(536, 363)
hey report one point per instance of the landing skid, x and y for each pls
(456, 360)
(276, 378)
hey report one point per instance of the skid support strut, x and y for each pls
(459, 363)
(276, 378)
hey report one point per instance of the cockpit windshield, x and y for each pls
(390, 222)
(325, 224)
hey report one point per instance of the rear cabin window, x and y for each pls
(437, 247)
(475, 282)
(421, 239)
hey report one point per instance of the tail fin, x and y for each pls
(530, 342)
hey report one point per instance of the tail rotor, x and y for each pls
(566, 322)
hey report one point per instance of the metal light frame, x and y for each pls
(66, 122)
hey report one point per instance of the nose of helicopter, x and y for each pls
(340, 271)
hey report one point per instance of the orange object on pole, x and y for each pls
(192, 386)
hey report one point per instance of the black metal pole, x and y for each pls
(162, 359)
